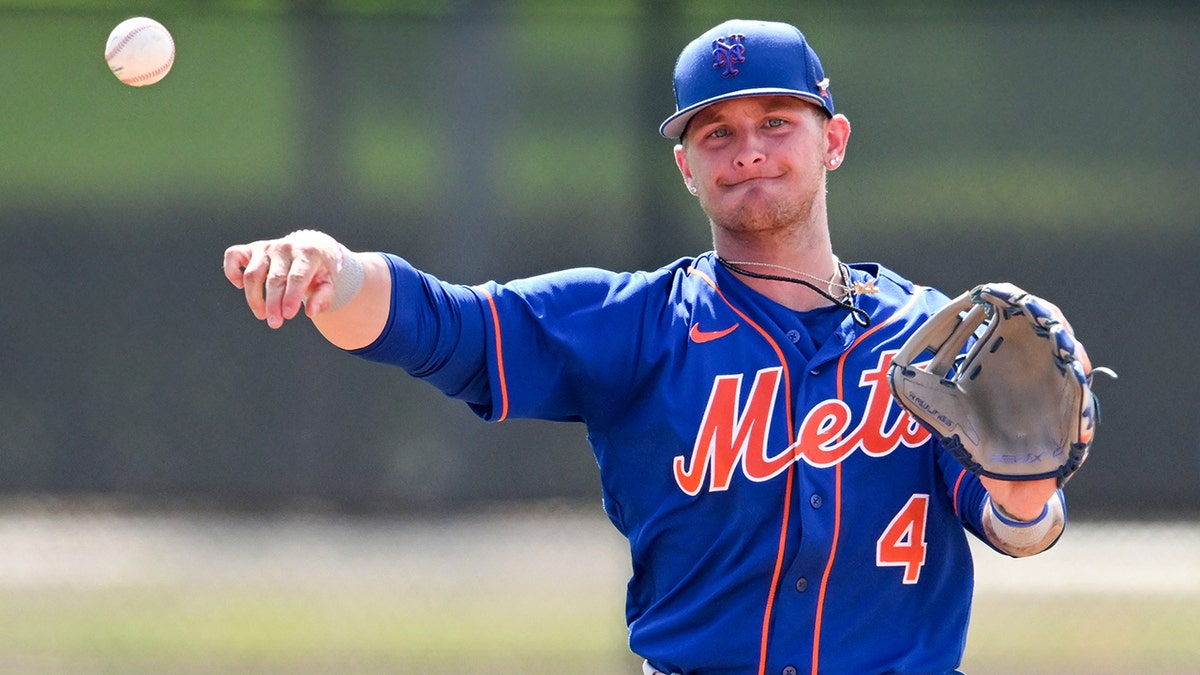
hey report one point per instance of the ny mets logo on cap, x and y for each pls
(728, 52)
(744, 58)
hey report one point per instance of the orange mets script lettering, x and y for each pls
(729, 438)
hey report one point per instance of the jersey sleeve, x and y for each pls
(556, 346)
(565, 346)
(435, 332)
(966, 492)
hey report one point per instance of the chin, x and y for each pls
(758, 215)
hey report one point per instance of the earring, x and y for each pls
(833, 161)
(692, 189)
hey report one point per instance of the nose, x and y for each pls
(751, 151)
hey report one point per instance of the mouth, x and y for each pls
(752, 180)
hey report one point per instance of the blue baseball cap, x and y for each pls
(745, 58)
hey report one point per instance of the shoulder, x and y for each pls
(893, 300)
(895, 291)
(600, 292)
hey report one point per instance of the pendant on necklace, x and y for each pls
(864, 287)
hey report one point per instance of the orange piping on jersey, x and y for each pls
(958, 484)
(837, 530)
(766, 626)
(837, 491)
(787, 494)
(499, 357)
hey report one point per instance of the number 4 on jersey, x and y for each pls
(903, 542)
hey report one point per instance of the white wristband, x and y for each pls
(1024, 537)
(1010, 520)
(347, 275)
(347, 281)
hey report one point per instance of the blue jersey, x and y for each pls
(781, 510)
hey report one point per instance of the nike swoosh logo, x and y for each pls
(701, 336)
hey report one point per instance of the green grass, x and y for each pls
(1084, 634)
(295, 631)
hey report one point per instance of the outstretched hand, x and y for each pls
(279, 276)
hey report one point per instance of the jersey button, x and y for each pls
(789, 670)
(801, 585)
(815, 501)
(793, 335)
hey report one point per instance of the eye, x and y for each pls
(720, 132)
(776, 122)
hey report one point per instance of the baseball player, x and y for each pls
(784, 514)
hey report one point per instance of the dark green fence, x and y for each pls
(1047, 144)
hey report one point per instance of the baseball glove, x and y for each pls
(1008, 387)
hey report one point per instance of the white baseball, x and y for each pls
(140, 51)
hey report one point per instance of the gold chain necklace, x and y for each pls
(845, 299)
(830, 283)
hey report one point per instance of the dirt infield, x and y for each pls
(92, 548)
(548, 547)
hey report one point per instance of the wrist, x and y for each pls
(1014, 521)
(345, 270)
(347, 280)
(1019, 537)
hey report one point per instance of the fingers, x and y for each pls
(276, 287)
(254, 276)
(301, 279)
(319, 299)
(277, 276)
(236, 258)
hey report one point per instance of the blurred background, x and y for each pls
(185, 490)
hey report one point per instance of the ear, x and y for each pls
(837, 136)
(684, 169)
(682, 163)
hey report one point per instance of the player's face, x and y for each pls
(757, 163)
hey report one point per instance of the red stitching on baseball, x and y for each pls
(161, 69)
(145, 76)
(125, 40)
